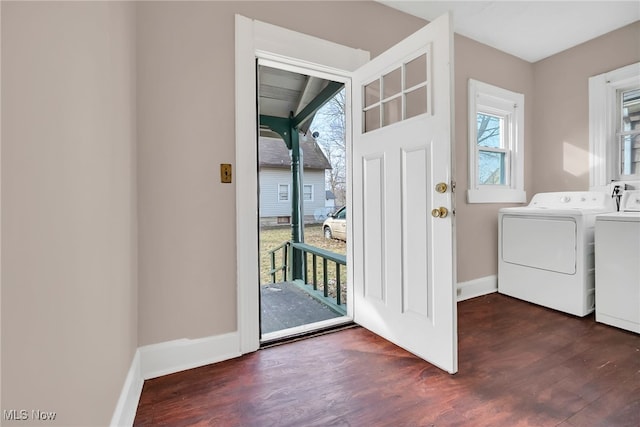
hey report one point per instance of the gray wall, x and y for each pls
(271, 206)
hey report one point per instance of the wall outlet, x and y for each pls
(225, 173)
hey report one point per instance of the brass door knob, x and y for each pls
(441, 187)
(440, 212)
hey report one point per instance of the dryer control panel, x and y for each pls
(573, 200)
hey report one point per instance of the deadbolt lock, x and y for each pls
(441, 187)
(440, 212)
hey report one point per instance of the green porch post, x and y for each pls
(287, 128)
(297, 261)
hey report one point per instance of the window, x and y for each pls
(496, 144)
(283, 192)
(614, 126)
(398, 95)
(307, 193)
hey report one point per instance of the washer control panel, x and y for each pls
(630, 201)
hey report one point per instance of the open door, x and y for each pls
(402, 203)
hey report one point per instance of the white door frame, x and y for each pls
(255, 39)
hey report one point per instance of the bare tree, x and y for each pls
(329, 123)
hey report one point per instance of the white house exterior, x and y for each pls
(275, 181)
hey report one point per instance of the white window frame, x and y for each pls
(303, 193)
(604, 159)
(493, 100)
(288, 193)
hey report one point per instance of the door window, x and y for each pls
(398, 95)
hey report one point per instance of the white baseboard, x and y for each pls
(127, 405)
(175, 356)
(477, 287)
(165, 358)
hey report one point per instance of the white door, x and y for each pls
(403, 255)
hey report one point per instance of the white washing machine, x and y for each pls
(618, 265)
(546, 249)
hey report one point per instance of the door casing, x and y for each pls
(287, 50)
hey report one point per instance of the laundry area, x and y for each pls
(576, 252)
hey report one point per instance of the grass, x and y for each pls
(271, 238)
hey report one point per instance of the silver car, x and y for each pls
(335, 227)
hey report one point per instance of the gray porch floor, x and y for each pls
(285, 305)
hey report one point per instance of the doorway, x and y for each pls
(302, 186)
(401, 193)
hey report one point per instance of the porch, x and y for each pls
(320, 295)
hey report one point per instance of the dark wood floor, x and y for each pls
(519, 365)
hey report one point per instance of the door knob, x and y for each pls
(440, 212)
(441, 187)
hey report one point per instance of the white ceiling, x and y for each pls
(531, 30)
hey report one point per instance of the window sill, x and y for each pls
(496, 196)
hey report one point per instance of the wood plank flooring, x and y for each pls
(519, 365)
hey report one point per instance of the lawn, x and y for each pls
(271, 238)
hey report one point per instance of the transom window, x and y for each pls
(496, 140)
(398, 95)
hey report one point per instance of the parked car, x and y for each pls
(335, 226)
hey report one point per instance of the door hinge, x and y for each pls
(453, 186)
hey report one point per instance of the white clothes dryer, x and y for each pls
(617, 243)
(546, 249)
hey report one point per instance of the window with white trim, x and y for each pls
(283, 192)
(496, 145)
(614, 126)
(307, 193)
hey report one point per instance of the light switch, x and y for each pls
(225, 173)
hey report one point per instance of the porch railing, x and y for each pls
(330, 266)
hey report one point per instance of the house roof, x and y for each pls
(272, 152)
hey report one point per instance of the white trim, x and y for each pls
(256, 39)
(501, 195)
(306, 328)
(477, 287)
(174, 356)
(602, 123)
(288, 199)
(511, 105)
(246, 186)
(125, 412)
(303, 193)
(166, 358)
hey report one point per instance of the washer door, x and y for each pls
(544, 243)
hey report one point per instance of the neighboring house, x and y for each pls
(275, 180)
(330, 200)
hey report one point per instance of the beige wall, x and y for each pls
(69, 300)
(84, 84)
(477, 224)
(561, 115)
(186, 119)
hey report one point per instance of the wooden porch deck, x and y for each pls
(286, 305)
(520, 365)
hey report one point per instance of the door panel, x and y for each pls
(415, 231)
(403, 256)
(373, 244)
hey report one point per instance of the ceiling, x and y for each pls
(531, 30)
(282, 92)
